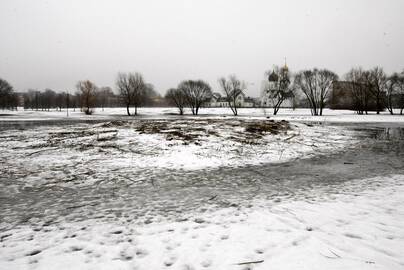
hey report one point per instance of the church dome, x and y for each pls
(273, 77)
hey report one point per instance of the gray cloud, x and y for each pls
(55, 43)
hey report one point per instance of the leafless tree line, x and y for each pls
(316, 86)
(374, 84)
(191, 93)
(8, 99)
(133, 91)
(49, 99)
(367, 87)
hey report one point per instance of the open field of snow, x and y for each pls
(335, 116)
(155, 144)
(360, 228)
(208, 192)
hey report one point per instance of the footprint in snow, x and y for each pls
(351, 235)
(206, 263)
(187, 267)
(141, 253)
(224, 237)
(259, 251)
(170, 261)
(75, 248)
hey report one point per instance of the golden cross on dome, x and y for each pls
(285, 67)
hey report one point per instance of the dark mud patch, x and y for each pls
(267, 127)
(193, 130)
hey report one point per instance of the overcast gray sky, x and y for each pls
(55, 43)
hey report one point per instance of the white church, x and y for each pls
(269, 87)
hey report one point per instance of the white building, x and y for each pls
(242, 101)
(269, 89)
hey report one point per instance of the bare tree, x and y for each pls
(397, 91)
(233, 89)
(67, 102)
(48, 99)
(138, 87)
(31, 99)
(123, 85)
(316, 85)
(60, 99)
(150, 94)
(360, 90)
(77, 100)
(177, 97)
(88, 95)
(7, 96)
(196, 93)
(376, 79)
(132, 89)
(392, 89)
(279, 87)
(103, 96)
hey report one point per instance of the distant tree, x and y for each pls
(60, 100)
(233, 89)
(399, 91)
(296, 98)
(316, 85)
(376, 79)
(150, 95)
(196, 93)
(88, 92)
(7, 96)
(124, 88)
(67, 102)
(361, 94)
(103, 96)
(30, 101)
(177, 97)
(281, 88)
(36, 99)
(15, 101)
(48, 99)
(76, 100)
(132, 89)
(391, 87)
(138, 87)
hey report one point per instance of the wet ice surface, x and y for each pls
(98, 195)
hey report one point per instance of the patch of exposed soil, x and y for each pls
(269, 126)
(250, 130)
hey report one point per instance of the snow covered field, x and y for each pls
(177, 144)
(356, 229)
(342, 116)
(207, 192)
